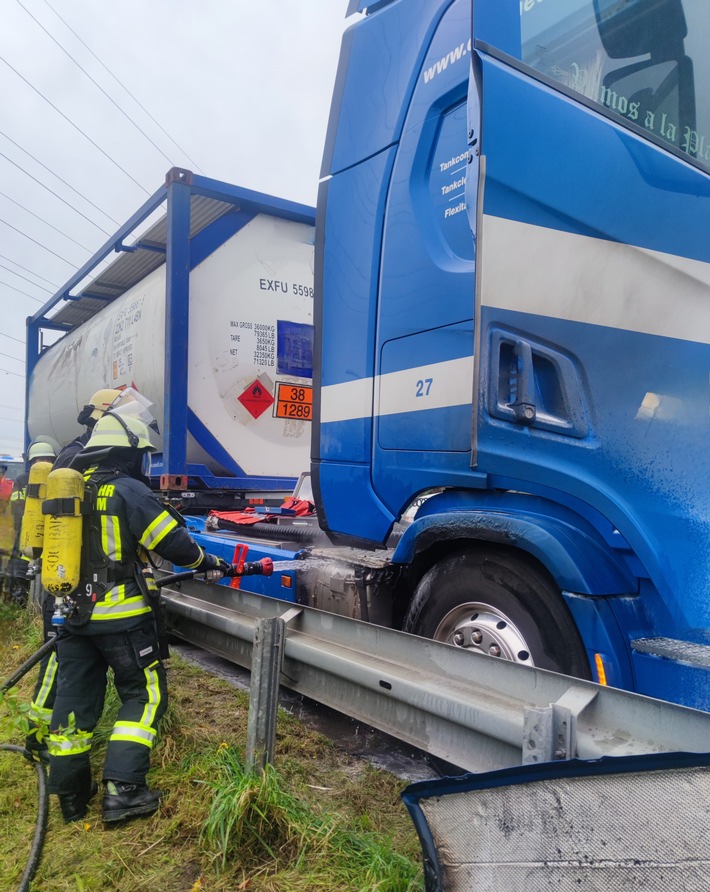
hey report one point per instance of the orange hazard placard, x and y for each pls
(256, 399)
(294, 401)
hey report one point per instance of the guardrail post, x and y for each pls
(550, 733)
(266, 662)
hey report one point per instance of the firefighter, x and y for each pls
(40, 710)
(6, 527)
(42, 449)
(5, 484)
(111, 624)
(89, 415)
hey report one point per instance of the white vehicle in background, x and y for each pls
(15, 466)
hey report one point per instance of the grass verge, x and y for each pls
(320, 820)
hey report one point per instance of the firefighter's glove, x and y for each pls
(212, 562)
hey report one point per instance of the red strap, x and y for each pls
(300, 507)
(243, 517)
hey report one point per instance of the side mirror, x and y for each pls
(629, 28)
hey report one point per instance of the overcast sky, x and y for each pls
(241, 91)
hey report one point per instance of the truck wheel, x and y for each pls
(499, 604)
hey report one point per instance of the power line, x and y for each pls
(123, 86)
(19, 341)
(27, 173)
(12, 288)
(96, 84)
(19, 276)
(75, 126)
(8, 372)
(61, 180)
(36, 275)
(14, 408)
(36, 242)
(16, 358)
(46, 222)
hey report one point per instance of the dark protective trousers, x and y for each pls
(142, 689)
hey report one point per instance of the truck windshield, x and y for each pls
(645, 61)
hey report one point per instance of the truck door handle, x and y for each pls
(522, 384)
(531, 384)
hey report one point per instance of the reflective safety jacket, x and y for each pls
(126, 518)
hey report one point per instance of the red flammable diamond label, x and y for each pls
(256, 399)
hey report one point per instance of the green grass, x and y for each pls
(254, 817)
(319, 820)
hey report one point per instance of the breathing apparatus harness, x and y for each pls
(96, 570)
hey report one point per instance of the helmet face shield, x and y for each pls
(131, 404)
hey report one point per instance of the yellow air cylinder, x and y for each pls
(32, 529)
(61, 557)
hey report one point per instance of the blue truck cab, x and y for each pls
(512, 358)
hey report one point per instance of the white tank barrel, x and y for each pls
(250, 351)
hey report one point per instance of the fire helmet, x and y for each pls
(126, 432)
(41, 449)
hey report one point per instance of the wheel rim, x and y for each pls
(483, 628)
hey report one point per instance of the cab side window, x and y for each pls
(644, 61)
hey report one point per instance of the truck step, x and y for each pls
(672, 649)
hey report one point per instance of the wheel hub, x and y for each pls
(481, 627)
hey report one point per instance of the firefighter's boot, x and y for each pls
(125, 801)
(74, 805)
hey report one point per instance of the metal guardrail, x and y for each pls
(471, 710)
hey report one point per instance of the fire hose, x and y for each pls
(263, 567)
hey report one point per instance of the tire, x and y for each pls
(496, 602)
